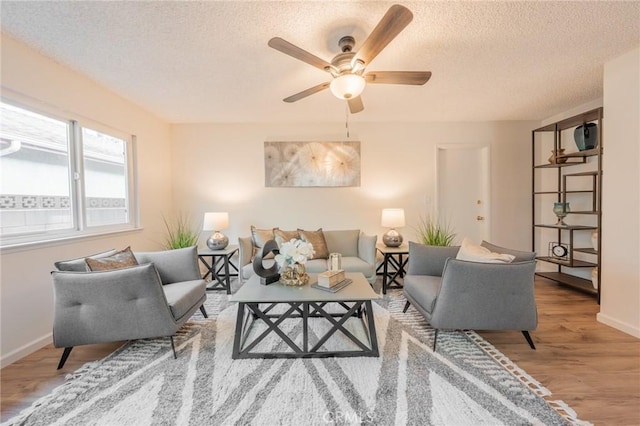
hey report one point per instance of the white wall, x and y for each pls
(620, 301)
(26, 289)
(220, 167)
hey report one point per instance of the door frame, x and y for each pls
(485, 151)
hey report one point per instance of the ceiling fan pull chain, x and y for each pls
(346, 120)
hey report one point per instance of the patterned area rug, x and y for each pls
(466, 382)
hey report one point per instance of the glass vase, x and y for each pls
(561, 210)
(295, 275)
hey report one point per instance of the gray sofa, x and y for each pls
(152, 299)
(358, 254)
(458, 294)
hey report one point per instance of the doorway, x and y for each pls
(463, 190)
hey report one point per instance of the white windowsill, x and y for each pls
(18, 247)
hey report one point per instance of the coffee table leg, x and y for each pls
(239, 329)
(305, 327)
(372, 329)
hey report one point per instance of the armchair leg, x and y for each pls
(64, 357)
(204, 312)
(174, 348)
(406, 306)
(527, 336)
(435, 339)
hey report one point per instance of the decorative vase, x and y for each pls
(594, 278)
(586, 136)
(561, 210)
(594, 240)
(554, 157)
(295, 275)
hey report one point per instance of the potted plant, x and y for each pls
(432, 232)
(180, 232)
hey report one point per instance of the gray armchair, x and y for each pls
(457, 294)
(152, 299)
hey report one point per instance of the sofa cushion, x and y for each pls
(183, 296)
(343, 242)
(475, 253)
(355, 264)
(520, 256)
(261, 236)
(121, 259)
(315, 266)
(173, 265)
(284, 236)
(80, 264)
(429, 260)
(316, 238)
(423, 289)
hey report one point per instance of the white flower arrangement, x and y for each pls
(294, 251)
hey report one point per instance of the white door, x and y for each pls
(463, 190)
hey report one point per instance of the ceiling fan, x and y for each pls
(347, 68)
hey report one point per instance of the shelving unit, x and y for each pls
(563, 186)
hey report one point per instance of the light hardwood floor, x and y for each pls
(590, 366)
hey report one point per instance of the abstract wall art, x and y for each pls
(312, 164)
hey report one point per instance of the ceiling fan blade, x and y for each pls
(308, 92)
(355, 104)
(298, 53)
(391, 24)
(417, 78)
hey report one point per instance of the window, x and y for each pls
(60, 178)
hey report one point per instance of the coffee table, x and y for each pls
(271, 305)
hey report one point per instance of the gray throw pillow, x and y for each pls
(80, 264)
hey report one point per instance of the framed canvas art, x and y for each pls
(312, 164)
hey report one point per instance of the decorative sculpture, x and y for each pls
(271, 275)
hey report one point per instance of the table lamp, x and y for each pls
(392, 218)
(216, 221)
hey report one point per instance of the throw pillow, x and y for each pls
(284, 236)
(118, 260)
(80, 264)
(316, 238)
(476, 253)
(261, 236)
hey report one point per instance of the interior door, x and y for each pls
(463, 190)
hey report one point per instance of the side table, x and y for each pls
(219, 266)
(393, 265)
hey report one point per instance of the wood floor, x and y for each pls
(590, 366)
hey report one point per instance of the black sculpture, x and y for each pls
(271, 275)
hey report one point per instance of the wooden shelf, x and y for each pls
(568, 227)
(557, 165)
(569, 264)
(582, 174)
(588, 250)
(580, 191)
(581, 154)
(570, 280)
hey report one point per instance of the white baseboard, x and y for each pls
(622, 326)
(25, 350)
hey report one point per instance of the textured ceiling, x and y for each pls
(209, 61)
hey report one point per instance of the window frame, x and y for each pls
(75, 169)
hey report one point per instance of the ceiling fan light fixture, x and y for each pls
(347, 86)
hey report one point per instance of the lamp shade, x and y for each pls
(215, 221)
(347, 86)
(393, 218)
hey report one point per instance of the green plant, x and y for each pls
(180, 232)
(434, 233)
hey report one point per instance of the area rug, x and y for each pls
(466, 382)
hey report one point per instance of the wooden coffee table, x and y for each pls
(259, 303)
